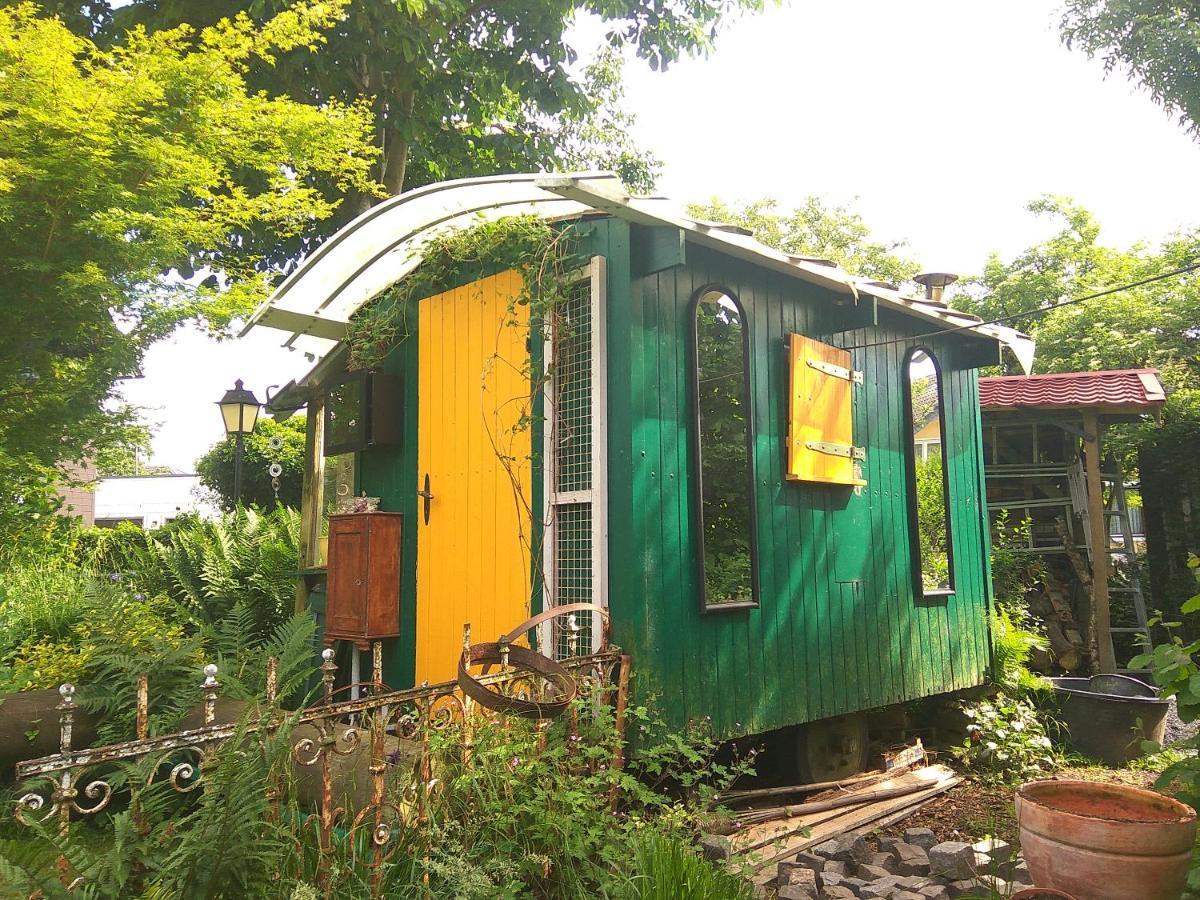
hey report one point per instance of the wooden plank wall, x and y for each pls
(838, 629)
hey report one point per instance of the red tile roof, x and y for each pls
(1122, 390)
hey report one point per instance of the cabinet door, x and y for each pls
(346, 603)
(383, 587)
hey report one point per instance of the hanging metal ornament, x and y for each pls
(276, 468)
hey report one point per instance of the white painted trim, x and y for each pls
(596, 274)
(599, 272)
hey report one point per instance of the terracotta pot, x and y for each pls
(1041, 894)
(1105, 841)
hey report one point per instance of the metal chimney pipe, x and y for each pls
(935, 284)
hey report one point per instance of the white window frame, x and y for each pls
(594, 273)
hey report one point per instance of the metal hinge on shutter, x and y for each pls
(837, 449)
(835, 370)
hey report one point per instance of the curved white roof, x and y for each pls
(380, 247)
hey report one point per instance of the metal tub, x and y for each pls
(1109, 716)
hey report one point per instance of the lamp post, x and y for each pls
(239, 410)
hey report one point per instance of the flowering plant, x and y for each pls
(1006, 740)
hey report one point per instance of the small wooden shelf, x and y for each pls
(363, 592)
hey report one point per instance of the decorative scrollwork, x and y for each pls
(303, 746)
(349, 742)
(98, 790)
(445, 711)
(184, 778)
(32, 803)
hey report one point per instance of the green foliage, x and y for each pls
(244, 556)
(932, 523)
(1174, 668)
(516, 819)
(816, 229)
(1014, 569)
(1006, 740)
(459, 88)
(542, 252)
(118, 166)
(669, 869)
(123, 601)
(725, 473)
(216, 466)
(1149, 326)
(1156, 43)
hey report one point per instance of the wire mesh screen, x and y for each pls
(573, 577)
(573, 391)
(572, 461)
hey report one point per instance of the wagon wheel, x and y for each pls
(832, 749)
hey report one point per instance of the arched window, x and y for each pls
(928, 480)
(723, 453)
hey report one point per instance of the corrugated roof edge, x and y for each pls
(592, 191)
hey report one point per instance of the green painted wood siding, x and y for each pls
(838, 629)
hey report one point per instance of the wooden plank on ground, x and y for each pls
(777, 841)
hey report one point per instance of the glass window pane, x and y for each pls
(927, 476)
(723, 433)
(338, 489)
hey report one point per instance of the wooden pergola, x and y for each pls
(1045, 457)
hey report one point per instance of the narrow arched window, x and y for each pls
(723, 453)
(928, 479)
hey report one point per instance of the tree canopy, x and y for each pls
(121, 172)
(817, 229)
(216, 466)
(1149, 326)
(1156, 42)
(458, 87)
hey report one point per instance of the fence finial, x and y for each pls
(328, 670)
(66, 714)
(210, 686)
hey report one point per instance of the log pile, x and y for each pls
(1049, 602)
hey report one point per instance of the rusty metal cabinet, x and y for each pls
(363, 601)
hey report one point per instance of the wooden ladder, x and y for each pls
(1117, 508)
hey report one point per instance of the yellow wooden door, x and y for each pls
(473, 557)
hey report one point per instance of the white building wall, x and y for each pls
(149, 500)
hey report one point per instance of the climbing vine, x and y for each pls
(544, 253)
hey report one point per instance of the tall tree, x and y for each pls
(1153, 325)
(817, 229)
(462, 87)
(1156, 42)
(122, 173)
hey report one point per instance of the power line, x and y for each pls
(1034, 312)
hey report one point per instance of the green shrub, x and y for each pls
(1006, 740)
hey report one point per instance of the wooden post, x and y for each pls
(1098, 529)
(311, 497)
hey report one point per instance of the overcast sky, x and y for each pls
(937, 121)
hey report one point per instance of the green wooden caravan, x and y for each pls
(719, 449)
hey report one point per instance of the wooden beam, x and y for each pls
(1097, 527)
(311, 492)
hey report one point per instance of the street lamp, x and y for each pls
(239, 409)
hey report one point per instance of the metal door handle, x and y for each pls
(428, 497)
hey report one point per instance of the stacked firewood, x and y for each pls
(1049, 602)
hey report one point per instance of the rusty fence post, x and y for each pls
(618, 763)
(328, 739)
(65, 793)
(211, 687)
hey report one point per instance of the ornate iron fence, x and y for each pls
(76, 783)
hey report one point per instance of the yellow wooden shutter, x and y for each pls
(820, 413)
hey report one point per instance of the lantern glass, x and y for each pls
(239, 410)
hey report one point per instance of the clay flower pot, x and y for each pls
(1105, 841)
(1041, 894)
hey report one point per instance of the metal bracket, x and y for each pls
(837, 449)
(835, 370)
